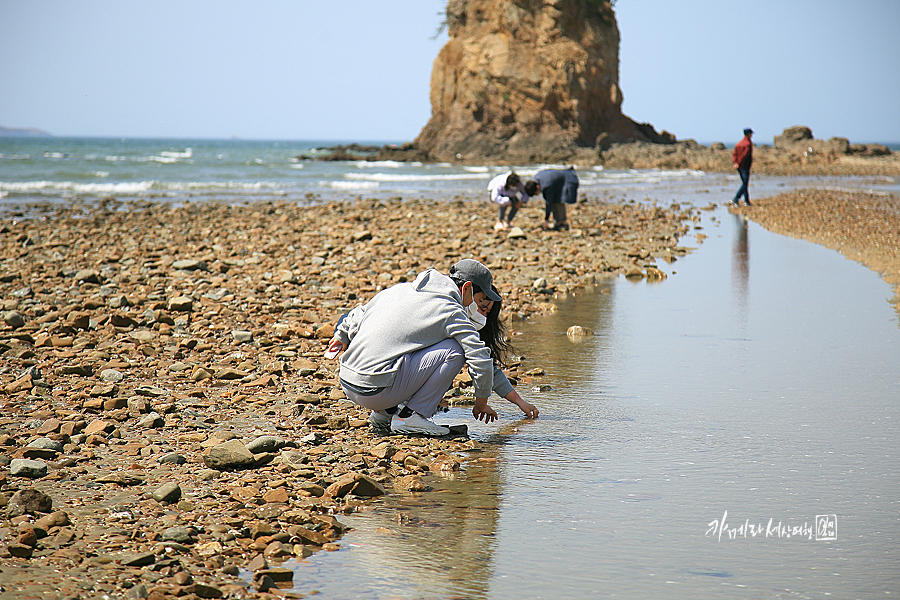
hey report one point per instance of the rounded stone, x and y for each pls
(14, 319)
(46, 444)
(23, 467)
(167, 493)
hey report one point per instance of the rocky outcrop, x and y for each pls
(795, 152)
(799, 140)
(527, 81)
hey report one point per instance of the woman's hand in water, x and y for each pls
(483, 412)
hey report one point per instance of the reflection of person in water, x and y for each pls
(439, 545)
(740, 268)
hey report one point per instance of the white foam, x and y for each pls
(402, 177)
(128, 187)
(188, 153)
(351, 185)
(643, 176)
(162, 157)
(178, 186)
(26, 186)
(389, 164)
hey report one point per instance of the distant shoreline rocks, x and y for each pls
(22, 132)
(353, 152)
(794, 152)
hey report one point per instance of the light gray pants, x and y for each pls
(423, 377)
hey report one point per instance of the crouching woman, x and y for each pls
(404, 347)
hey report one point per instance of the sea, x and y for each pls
(729, 432)
(63, 170)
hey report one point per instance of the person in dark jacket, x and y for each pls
(743, 158)
(559, 187)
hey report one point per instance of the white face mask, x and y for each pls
(478, 319)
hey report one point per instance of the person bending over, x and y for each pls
(559, 187)
(403, 348)
(505, 190)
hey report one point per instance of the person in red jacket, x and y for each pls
(743, 158)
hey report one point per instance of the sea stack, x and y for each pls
(523, 81)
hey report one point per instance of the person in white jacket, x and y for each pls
(403, 348)
(508, 191)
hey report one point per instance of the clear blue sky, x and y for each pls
(290, 69)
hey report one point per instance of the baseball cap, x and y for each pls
(469, 269)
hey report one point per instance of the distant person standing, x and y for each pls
(505, 190)
(743, 158)
(559, 187)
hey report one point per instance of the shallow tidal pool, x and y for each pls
(731, 431)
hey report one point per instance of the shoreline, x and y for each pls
(864, 227)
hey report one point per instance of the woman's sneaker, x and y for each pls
(417, 424)
(380, 419)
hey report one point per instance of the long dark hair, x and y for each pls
(495, 335)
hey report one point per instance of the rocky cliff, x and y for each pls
(528, 81)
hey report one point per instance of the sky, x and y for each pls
(303, 70)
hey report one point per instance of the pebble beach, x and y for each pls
(170, 427)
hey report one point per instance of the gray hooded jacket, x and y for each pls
(405, 318)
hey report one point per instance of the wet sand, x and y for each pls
(863, 227)
(168, 418)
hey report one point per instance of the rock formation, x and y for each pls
(528, 80)
(795, 152)
(799, 140)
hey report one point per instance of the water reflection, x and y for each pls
(435, 544)
(765, 399)
(740, 270)
(774, 397)
(441, 543)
